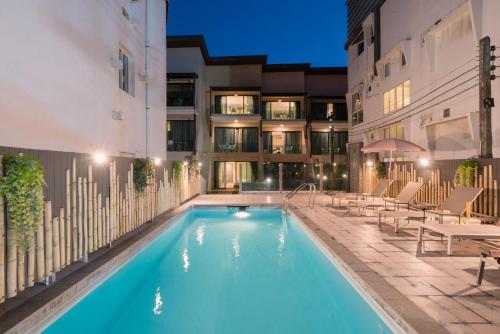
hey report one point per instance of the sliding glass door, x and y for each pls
(228, 174)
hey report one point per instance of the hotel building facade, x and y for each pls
(251, 122)
(421, 71)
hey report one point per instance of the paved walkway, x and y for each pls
(430, 291)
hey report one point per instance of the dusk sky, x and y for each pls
(296, 31)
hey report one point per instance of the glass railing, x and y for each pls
(235, 147)
(286, 149)
(182, 146)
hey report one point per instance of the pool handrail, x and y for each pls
(312, 195)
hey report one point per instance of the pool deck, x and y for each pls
(431, 292)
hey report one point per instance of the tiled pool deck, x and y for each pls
(432, 292)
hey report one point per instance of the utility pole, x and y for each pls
(486, 102)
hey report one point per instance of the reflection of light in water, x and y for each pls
(242, 214)
(282, 237)
(236, 246)
(200, 234)
(158, 302)
(185, 259)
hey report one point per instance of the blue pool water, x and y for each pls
(214, 271)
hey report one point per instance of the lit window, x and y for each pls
(397, 98)
(357, 109)
(235, 104)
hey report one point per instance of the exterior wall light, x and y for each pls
(185, 163)
(344, 176)
(268, 180)
(157, 161)
(324, 177)
(369, 163)
(424, 162)
(200, 164)
(100, 158)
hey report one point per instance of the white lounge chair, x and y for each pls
(462, 231)
(454, 206)
(375, 194)
(404, 198)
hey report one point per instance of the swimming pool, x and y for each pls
(223, 271)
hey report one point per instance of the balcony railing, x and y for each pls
(235, 147)
(285, 149)
(326, 150)
(180, 146)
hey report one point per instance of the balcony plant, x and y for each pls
(464, 175)
(22, 186)
(143, 173)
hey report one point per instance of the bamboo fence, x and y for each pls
(86, 223)
(435, 189)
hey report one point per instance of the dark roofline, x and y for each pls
(171, 75)
(198, 41)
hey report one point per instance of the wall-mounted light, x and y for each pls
(200, 164)
(280, 100)
(157, 161)
(334, 164)
(268, 180)
(317, 175)
(330, 127)
(344, 176)
(424, 162)
(369, 163)
(185, 163)
(324, 177)
(235, 94)
(236, 121)
(100, 157)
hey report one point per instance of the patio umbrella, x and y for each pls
(391, 145)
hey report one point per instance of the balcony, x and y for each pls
(235, 147)
(282, 111)
(180, 146)
(285, 149)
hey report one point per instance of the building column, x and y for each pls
(321, 174)
(280, 176)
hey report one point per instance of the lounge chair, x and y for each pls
(462, 231)
(376, 193)
(454, 206)
(495, 254)
(404, 198)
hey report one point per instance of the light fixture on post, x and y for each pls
(100, 158)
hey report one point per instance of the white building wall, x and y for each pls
(440, 40)
(58, 88)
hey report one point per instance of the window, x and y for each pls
(387, 70)
(394, 131)
(126, 76)
(180, 135)
(397, 98)
(320, 143)
(321, 111)
(281, 110)
(357, 109)
(125, 13)
(276, 142)
(180, 94)
(236, 139)
(235, 104)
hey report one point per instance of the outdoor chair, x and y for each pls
(376, 193)
(404, 198)
(454, 206)
(495, 254)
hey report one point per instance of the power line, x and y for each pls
(389, 118)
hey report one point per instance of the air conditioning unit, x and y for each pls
(116, 64)
(117, 115)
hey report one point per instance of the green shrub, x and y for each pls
(464, 175)
(143, 173)
(380, 169)
(22, 187)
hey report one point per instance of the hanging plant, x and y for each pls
(380, 169)
(465, 172)
(22, 187)
(143, 173)
(193, 168)
(177, 169)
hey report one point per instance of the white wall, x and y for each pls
(438, 56)
(58, 88)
